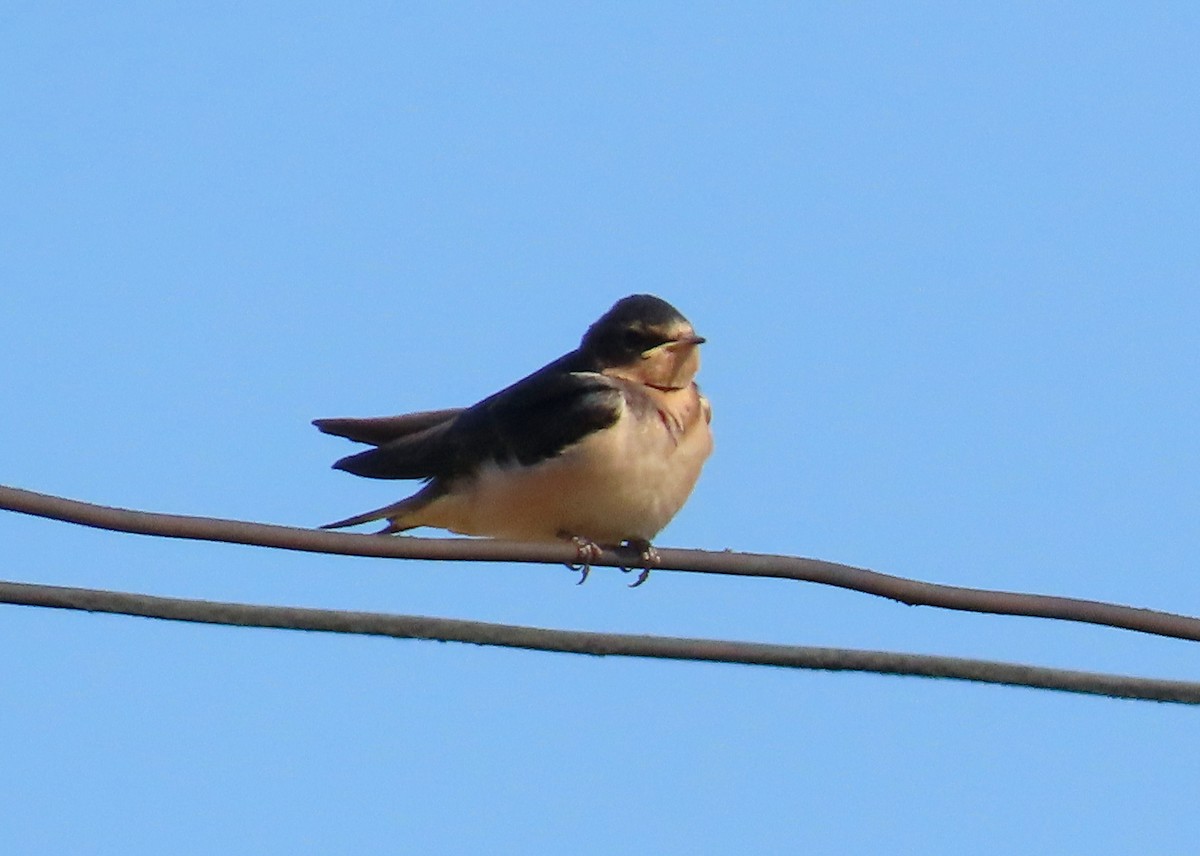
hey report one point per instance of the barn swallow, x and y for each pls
(600, 447)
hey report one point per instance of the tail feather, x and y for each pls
(395, 513)
(377, 430)
(422, 455)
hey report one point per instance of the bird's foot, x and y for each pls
(648, 556)
(586, 552)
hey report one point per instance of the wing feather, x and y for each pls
(532, 420)
(378, 430)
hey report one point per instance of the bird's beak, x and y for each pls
(689, 340)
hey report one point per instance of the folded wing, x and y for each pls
(530, 421)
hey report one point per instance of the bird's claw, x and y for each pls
(586, 552)
(649, 560)
(642, 577)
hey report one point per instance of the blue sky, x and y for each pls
(946, 259)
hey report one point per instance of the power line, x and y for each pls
(600, 644)
(533, 638)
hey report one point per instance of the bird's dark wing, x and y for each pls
(378, 430)
(534, 419)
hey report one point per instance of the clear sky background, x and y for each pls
(947, 258)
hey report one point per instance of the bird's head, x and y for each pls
(645, 339)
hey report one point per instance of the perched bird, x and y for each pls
(602, 446)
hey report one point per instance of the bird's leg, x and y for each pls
(648, 556)
(586, 552)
